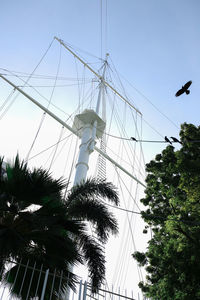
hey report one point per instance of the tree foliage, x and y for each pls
(39, 225)
(172, 198)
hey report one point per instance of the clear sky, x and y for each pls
(154, 44)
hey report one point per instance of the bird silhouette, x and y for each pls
(167, 140)
(184, 89)
(175, 140)
(134, 139)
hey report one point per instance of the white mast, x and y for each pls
(93, 127)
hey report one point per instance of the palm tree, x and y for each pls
(39, 225)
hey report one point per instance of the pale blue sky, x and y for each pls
(155, 44)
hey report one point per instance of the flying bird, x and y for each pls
(175, 140)
(184, 89)
(167, 140)
(134, 139)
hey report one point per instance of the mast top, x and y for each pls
(97, 75)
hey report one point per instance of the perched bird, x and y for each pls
(175, 140)
(134, 139)
(184, 89)
(167, 140)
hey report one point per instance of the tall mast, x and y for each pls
(93, 128)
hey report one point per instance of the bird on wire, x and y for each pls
(167, 140)
(134, 139)
(184, 89)
(175, 140)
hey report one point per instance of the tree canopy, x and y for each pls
(38, 224)
(172, 198)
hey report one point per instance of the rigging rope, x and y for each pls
(56, 147)
(7, 99)
(29, 77)
(146, 98)
(129, 224)
(101, 12)
(121, 128)
(50, 147)
(44, 114)
(5, 102)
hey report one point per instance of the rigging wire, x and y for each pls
(28, 85)
(13, 73)
(76, 49)
(48, 86)
(101, 12)
(41, 152)
(74, 159)
(130, 109)
(5, 102)
(79, 102)
(121, 266)
(29, 77)
(129, 223)
(158, 217)
(141, 149)
(7, 99)
(124, 244)
(132, 221)
(36, 135)
(146, 98)
(106, 26)
(120, 127)
(44, 113)
(56, 147)
(123, 90)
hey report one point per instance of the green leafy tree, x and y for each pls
(172, 198)
(39, 225)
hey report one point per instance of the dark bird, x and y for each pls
(184, 89)
(132, 138)
(175, 140)
(167, 140)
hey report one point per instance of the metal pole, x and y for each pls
(80, 290)
(44, 284)
(85, 290)
(84, 153)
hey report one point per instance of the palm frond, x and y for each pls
(96, 213)
(94, 256)
(94, 188)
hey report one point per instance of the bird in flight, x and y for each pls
(184, 89)
(167, 140)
